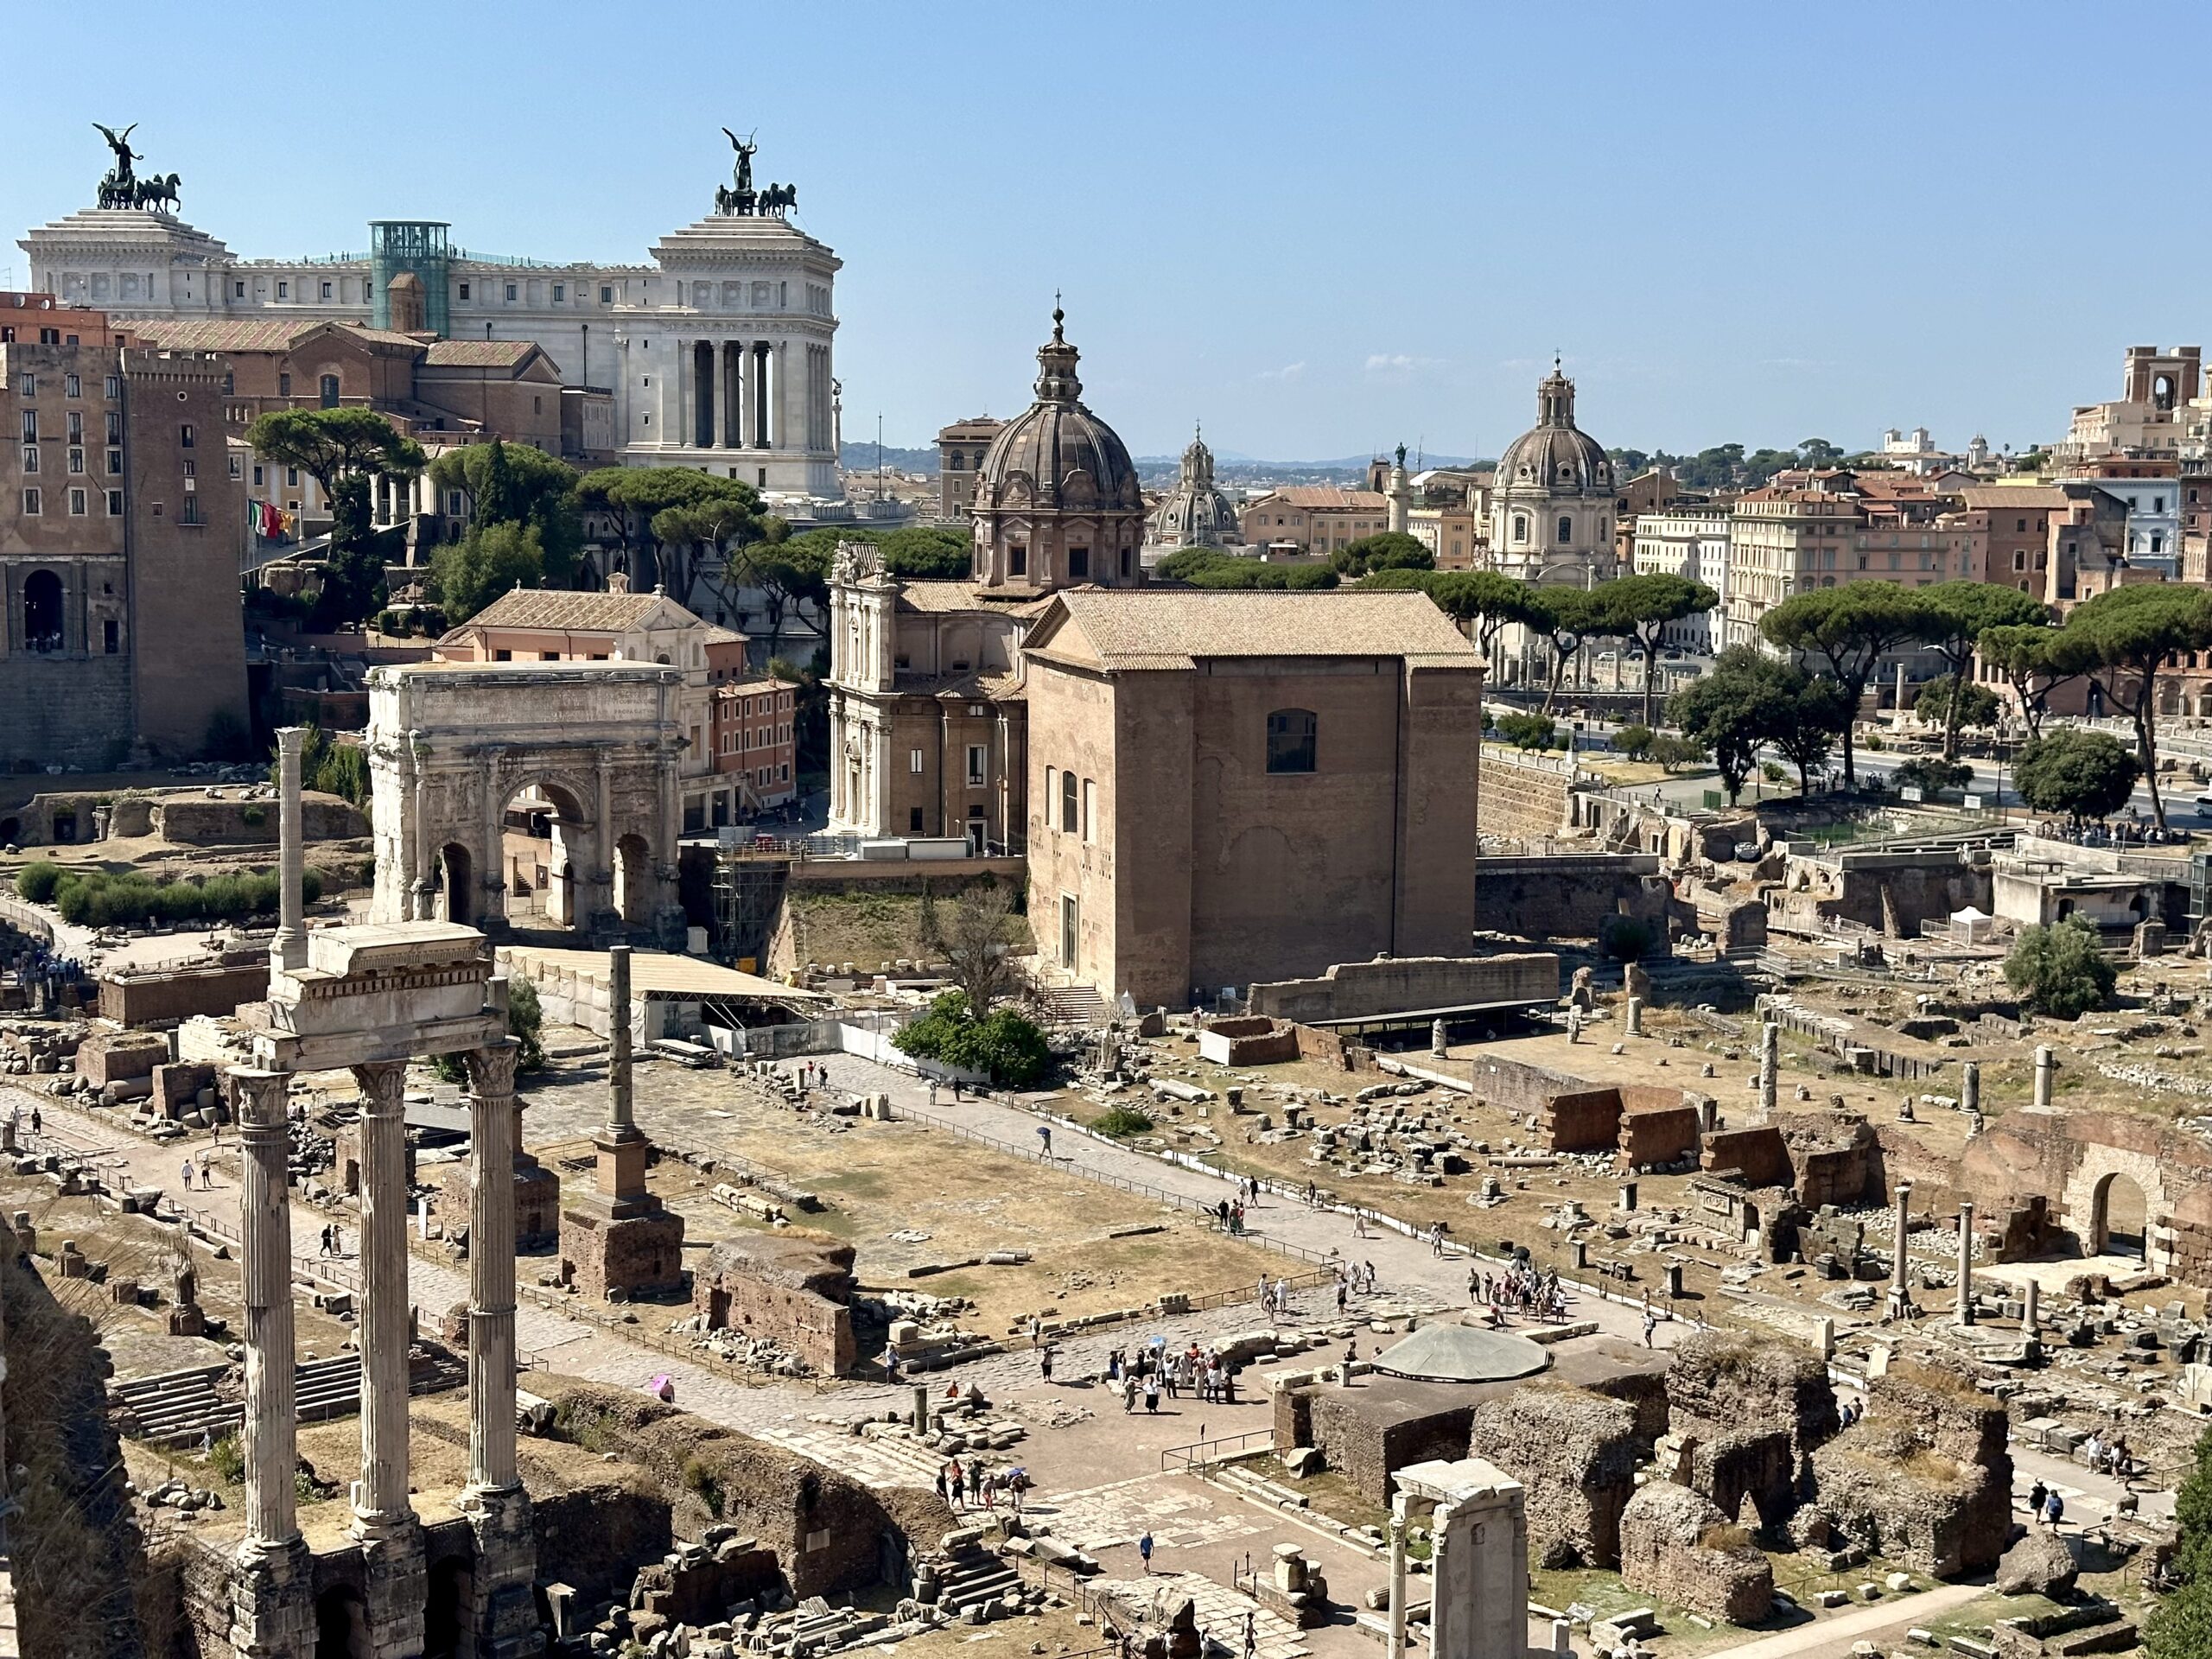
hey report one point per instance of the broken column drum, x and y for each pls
(1970, 1087)
(2046, 1066)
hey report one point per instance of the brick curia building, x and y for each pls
(119, 529)
(1233, 786)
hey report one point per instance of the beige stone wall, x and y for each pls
(1520, 797)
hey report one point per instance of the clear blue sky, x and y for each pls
(1321, 229)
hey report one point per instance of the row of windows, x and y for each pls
(979, 765)
(76, 461)
(1565, 528)
(71, 386)
(75, 426)
(755, 738)
(1071, 804)
(80, 505)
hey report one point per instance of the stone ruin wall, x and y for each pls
(1655, 1135)
(1925, 1477)
(2063, 1156)
(1757, 1154)
(1675, 1547)
(1519, 798)
(828, 1532)
(794, 1297)
(1366, 1450)
(1576, 1452)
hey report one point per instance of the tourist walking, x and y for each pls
(1650, 1324)
(1144, 1550)
(2053, 1509)
(1044, 1362)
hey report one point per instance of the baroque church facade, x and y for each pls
(928, 727)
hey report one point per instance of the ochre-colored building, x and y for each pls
(1232, 786)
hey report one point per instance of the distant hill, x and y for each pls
(860, 458)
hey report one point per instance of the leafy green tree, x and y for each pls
(1818, 452)
(929, 552)
(1634, 741)
(1978, 704)
(2192, 1560)
(1750, 699)
(519, 485)
(1482, 602)
(342, 449)
(1209, 567)
(2082, 774)
(1644, 605)
(1528, 731)
(2061, 970)
(1564, 617)
(1954, 615)
(1673, 753)
(2132, 632)
(689, 521)
(1846, 631)
(1932, 777)
(1723, 711)
(1007, 1048)
(487, 561)
(2180, 1627)
(1389, 550)
(2036, 659)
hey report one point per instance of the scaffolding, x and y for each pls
(748, 891)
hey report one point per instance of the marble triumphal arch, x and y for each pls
(469, 761)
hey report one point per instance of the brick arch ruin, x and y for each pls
(452, 746)
(2072, 1161)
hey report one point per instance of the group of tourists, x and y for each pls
(1520, 1288)
(973, 1486)
(1153, 1370)
(206, 1176)
(2107, 1454)
(1230, 1216)
(2045, 1505)
(39, 968)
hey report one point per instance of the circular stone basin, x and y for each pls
(1462, 1353)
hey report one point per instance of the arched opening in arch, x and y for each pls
(42, 611)
(633, 881)
(2119, 1218)
(456, 900)
(341, 1624)
(445, 1609)
(545, 855)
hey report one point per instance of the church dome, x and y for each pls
(1056, 454)
(1554, 456)
(1195, 514)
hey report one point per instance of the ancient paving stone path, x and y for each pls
(1399, 1261)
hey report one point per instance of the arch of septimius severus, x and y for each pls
(370, 998)
(594, 745)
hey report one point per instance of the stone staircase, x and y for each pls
(177, 1408)
(1075, 1004)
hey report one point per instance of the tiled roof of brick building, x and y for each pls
(553, 608)
(1327, 495)
(479, 353)
(936, 595)
(1133, 628)
(185, 335)
(2039, 497)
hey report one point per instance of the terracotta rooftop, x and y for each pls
(180, 336)
(937, 596)
(1137, 629)
(554, 608)
(479, 353)
(2037, 496)
(1327, 495)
